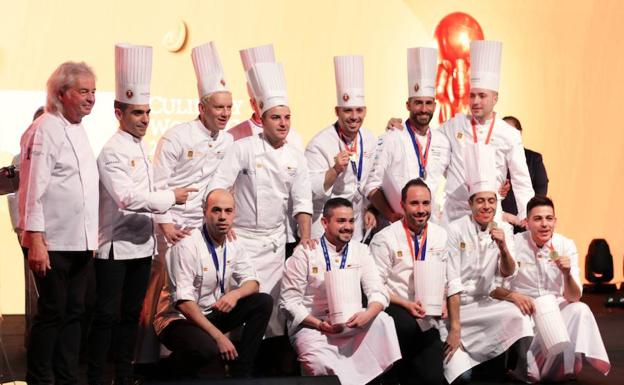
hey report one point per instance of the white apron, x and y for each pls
(488, 328)
(356, 358)
(267, 251)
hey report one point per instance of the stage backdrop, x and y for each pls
(561, 75)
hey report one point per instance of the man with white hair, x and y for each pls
(187, 155)
(265, 172)
(341, 155)
(58, 208)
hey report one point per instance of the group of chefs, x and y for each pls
(189, 246)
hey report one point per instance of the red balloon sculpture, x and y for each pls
(454, 34)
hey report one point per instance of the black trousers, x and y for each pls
(421, 351)
(120, 290)
(54, 346)
(193, 348)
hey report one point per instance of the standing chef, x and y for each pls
(187, 155)
(127, 200)
(265, 172)
(416, 150)
(58, 208)
(341, 155)
(483, 129)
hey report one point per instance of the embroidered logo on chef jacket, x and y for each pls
(459, 135)
(132, 163)
(314, 269)
(399, 253)
(437, 254)
(189, 154)
(462, 246)
(291, 170)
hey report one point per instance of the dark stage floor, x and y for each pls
(610, 321)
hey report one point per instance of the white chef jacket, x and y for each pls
(303, 285)
(473, 269)
(355, 356)
(474, 259)
(192, 275)
(320, 155)
(395, 264)
(509, 154)
(187, 156)
(58, 191)
(263, 179)
(249, 128)
(396, 163)
(127, 199)
(537, 276)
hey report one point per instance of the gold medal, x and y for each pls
(353, 157)
(553, 255)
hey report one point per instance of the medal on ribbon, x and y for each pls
(552, 255)
(215, 259)
(422, 156)
(417, 249)
(473, 122)
(343, 259)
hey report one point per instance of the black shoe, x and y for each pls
(130, 380)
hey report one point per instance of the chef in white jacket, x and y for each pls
(253, 126)
(548, 264)
(212, 288)
(483, 128)
(58, 209)
(480, 252)
(416, 150)
(341, 155)
(187, 155)
(366, 345)
(127, 200)
(395, 249)
(265, 172)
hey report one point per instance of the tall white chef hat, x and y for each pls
(422, 66)
(253, 55)
(268, 84)
(480, 166)
(208, 69)
(349, 71)
(485, 63)
(133, 72)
